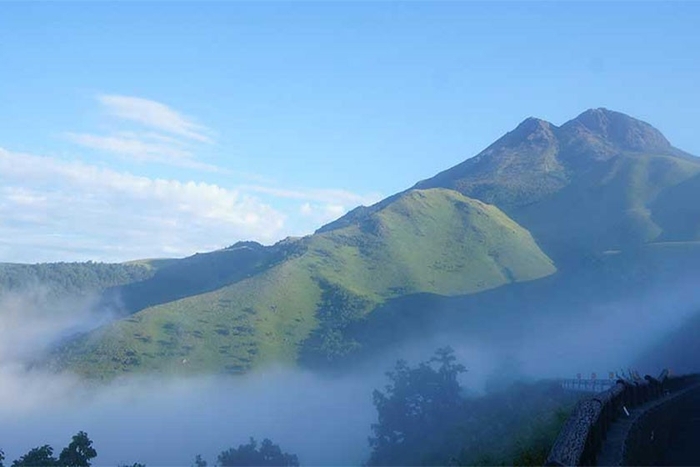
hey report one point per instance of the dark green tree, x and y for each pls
(269, 454)
(37, 457)
(2, 458)
(418, 411)
(199, 462)
(78, 453)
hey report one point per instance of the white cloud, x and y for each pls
(330, 196)
(155, 115)
(322, 213)
(306, 209)
(143, 148)
(58, 210)
(165, 135)
(132, 146)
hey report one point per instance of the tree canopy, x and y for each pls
(268, 454)
(37, 457)
(417, 409)
(78, 453)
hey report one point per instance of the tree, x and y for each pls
(269, 454)
(37, 457)
(2, 458)
(418, 410)
(199, 462)
(78, 453)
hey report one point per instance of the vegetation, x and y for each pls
(424, 418)
(78, 453)
(603, 181)
(338, 294)
(434, 241)
(203, 272)
(418, 411)
(268, 454)
(68, 278)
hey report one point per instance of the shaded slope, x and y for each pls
(435, 241)
(635, 308)
(203, 272)
(598, 182)
(64, 279)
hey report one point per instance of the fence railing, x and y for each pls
(587, 385)
(581, 438)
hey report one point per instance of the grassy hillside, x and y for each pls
(69, 278)
(651, 284)
(434, 241)
(602, 181)
(601, 184)
(203, 272)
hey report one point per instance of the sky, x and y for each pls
(138, 130)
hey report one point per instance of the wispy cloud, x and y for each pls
(165, 136)
(134, 146)
(322, 213)
(51, 209)
(144, 147)
(328, 196)
(154, 115)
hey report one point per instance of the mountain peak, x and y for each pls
(533, 125)
(619, 129)
(532, 130)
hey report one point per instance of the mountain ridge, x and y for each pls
(436, 241)
(540, 200)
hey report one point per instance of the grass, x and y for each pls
(434, 241)
(580, 193)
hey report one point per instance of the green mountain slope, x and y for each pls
(202, 272)
(436, 241)
(598, 184)
(60, 279)
(603, 181)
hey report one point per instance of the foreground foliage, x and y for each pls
(78, 453)
(424, 418)
(269, 454)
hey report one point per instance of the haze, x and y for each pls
(229, 220)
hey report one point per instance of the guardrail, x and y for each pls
(581, 438)
(587, 385)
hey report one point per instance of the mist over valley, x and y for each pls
(555, 251)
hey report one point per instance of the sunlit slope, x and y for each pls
(602, 181)
(435, 241)
(174, 279)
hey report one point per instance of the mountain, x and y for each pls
(63, 279)
(435, 240)
(541, 210)
(602, 181)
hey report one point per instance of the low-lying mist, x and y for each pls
(160, 420)
(163, 421)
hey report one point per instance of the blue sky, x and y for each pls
(160, 129)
